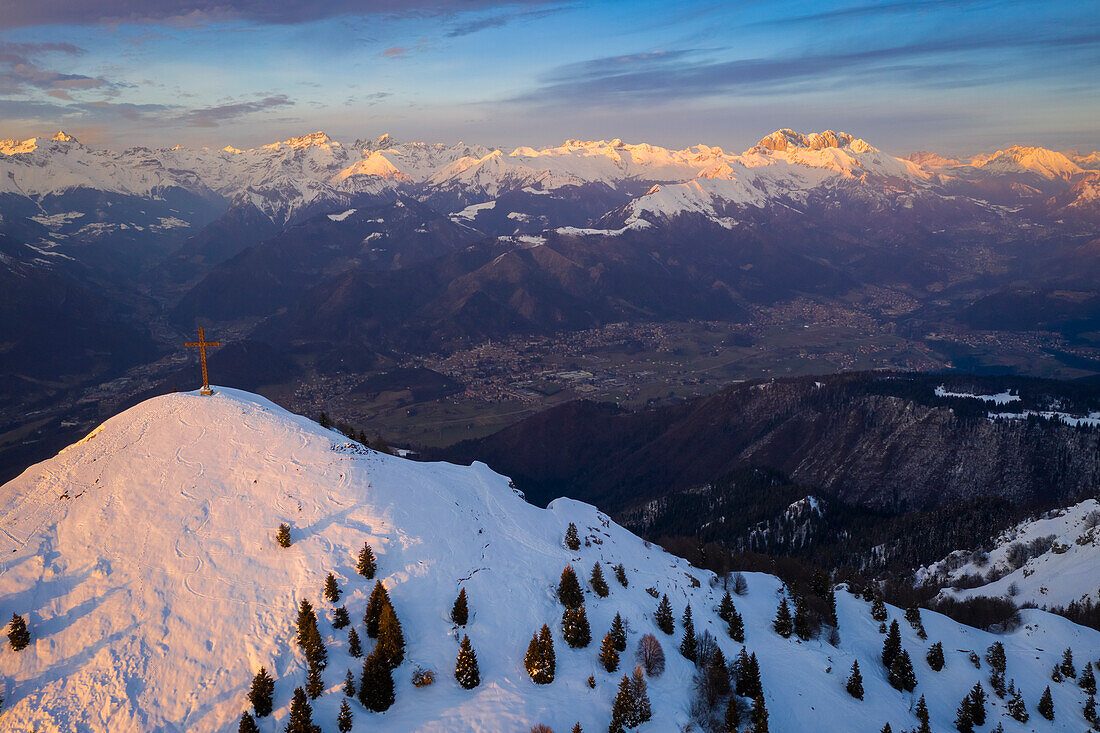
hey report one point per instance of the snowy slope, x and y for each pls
(144, 559)
(1049, 561)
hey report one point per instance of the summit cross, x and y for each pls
(201, 345)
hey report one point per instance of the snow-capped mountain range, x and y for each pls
(144, 561)
(285, 179)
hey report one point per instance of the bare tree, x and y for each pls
(651, 655)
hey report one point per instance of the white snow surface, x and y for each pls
(1066, 572)
(1001, 398)
(342, 215)
(144, 560)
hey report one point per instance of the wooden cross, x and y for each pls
(201, 345)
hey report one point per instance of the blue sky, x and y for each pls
(958, 77)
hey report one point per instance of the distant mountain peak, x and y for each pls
(786, 139)
(314, 139)
(64, 137)
(1026, 159)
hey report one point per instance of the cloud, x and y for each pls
(396, 51)
(21, 69)
(197, 12)
(213, 116)
(863, 12)
(693, 73)
(496, 21)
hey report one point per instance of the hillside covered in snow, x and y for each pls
(1051, 560)
(144, 562)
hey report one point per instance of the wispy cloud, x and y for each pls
(500, 20)
(22, 69)
(692, 73)
(213, 116)
(198, 12)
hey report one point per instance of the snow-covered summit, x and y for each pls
(1019, 159)
(143, 558)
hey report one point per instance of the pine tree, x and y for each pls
(540, 661)
(964, 723)
(366, 566)
(391, 639)
(599, 585)
(1016, 706)
(718, 674)
(622, 711)
(577, 728)
(748, 675)
(331, 590)
(340, 619)
(759, 715)
(997, 683)
(855, 682)
(609, 657)
(247, 724)
(1068, 669)
(977, 704)
(891, 646)
(466, 670)
(663, 617)
(878, 610)
(995, 656)
(460, 611)
(575, 629)
(378, 600)
(283, 535)
(314, 684)
(349, 685)
(732, 720)
(262, 693)
(301, 714)
(569, 589)
(376, 685)
(737, 627)
(801, 618)
(922, 716)
(618, 633)
(935, 656)
(830, 600)
(355, 647)
(572, 541)
(783, 624)
(725, 607)
(1087, 681)
(620, 574)
(1089, 710)
(345, 720)
(18, 634)
(1046, 705)
(316, 654)
(306, 624)
(886, 729)
(641, 696)
(901, 675)
(1056, 673)
(689, 646)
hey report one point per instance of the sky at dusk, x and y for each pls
(957, 77)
